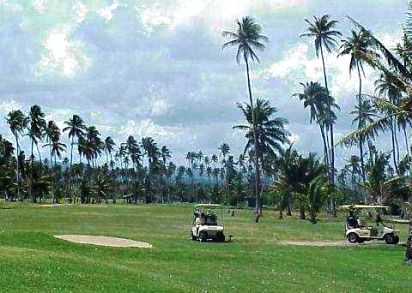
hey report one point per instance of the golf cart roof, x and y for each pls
(208, 205)
(399, 221)
(359, 206)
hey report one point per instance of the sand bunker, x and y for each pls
(104, 241)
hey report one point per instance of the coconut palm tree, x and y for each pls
(52, 134)
(323, 32)
(75, 128)
(17, 122)
(35, 132)
(109, 145)
(271, 132)
(364, 114)
(165, 153)
(224, 150)
(385, 88)
(316, 98)
(357, 46)
(247, 39)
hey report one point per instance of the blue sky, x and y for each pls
(156, 68)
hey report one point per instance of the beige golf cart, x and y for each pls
(357, 232)
(205, 226)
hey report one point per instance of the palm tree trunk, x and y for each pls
(31, 173)
(256, 154)
(395, 164)
(325, 145)
(396, 143)
(359, 126)
(332, 149)
(17, 166)
(405, 135)
(71, 152)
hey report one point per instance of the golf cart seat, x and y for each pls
(352, 222)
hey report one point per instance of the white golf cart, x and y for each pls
(205, 226)
(356, 232)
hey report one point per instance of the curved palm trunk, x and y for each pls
(256, 154)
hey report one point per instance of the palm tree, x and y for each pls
(165, 153)
(271, 132)
(365, 113)
(248, 38)
(75, 128)
(315, 195)
(109, 145)
(357, 46)
(224, 150)
(35, 132)
(322, 30)
(17, 122)
(385, 88)
(52, 134)
(316, 98)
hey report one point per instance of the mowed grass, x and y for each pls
(32, 260)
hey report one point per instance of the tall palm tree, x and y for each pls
(323, 32)
(365, 114)
(357, 46)
(165, 153)
(248, 38)
(17, 122)
(386, 88)
(35, 132)
(75, 128)
(52, 134)
(109, 145)
(316, 98)
(271, 132)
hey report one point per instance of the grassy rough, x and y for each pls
(32, 260)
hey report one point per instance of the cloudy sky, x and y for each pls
(156, 68)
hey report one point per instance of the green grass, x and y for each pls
(31, 260)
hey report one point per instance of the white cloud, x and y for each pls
(40, 6)
(6, 107)
(62, 56)
(107, 12)
(143, 128)
(299, 64)
(80, 11)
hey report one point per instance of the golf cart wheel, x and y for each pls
(202, 236)
(220, 237)
(396, 239)
(390, 239)
(353, 238)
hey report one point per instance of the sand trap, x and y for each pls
(104, 241)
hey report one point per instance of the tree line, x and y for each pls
(269, 167)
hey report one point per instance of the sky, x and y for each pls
(156, 67)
